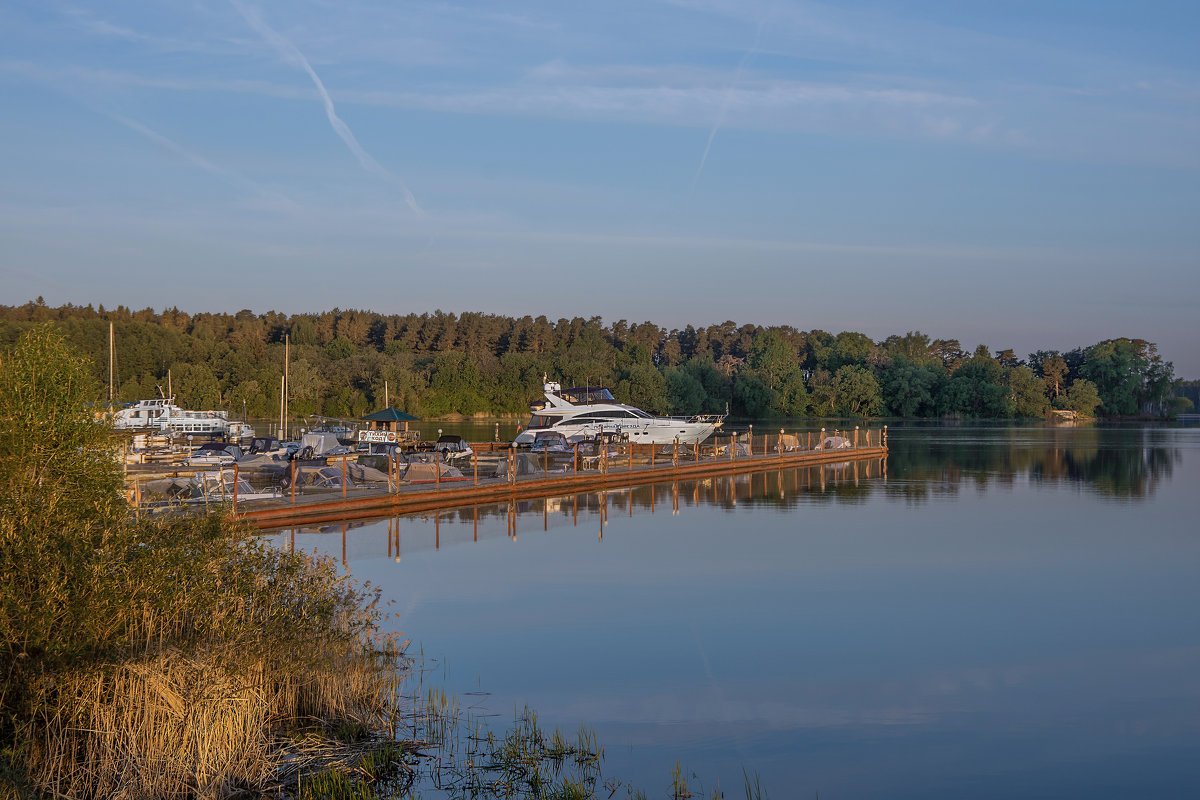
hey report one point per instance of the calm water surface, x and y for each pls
(1003, 611)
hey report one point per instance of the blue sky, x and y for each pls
(1021, 174)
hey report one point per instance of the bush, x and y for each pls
(155, 658)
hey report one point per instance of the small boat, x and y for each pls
(211, 454)
(202, 488)
(452, 447)
(590, 411)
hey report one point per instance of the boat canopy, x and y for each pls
(583, 395)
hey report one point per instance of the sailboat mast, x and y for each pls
(287, 349)
(111, 358)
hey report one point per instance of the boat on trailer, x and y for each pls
(592, 411)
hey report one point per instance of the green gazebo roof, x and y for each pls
(389, 415)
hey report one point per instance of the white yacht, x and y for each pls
(161, 414)
(590, 411)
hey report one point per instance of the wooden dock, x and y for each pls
(630, 468)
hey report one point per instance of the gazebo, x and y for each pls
(389, 425)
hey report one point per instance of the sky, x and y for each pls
(1023, 175)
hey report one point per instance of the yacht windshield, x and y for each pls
(589, 394)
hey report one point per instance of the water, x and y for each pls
(1008, 612)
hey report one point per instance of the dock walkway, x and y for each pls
(634, 465)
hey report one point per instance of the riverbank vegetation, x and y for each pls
(438, 364)
(182, 658)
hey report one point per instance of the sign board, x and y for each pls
(387, 437)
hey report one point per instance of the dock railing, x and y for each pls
(493, 466)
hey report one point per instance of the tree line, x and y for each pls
(440, 363)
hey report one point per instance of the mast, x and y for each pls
(111, 361)
(287, 346)
(386, 404)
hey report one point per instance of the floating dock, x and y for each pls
(629, 465)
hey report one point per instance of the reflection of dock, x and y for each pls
(632, 466)
(785, 488)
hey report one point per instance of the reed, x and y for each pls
(232, 705)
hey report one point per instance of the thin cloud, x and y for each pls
(712, 134)
(292, 54)
(227, 175)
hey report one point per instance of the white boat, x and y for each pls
(161, 414)
(587, 412)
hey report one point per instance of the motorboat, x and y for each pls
(161, 414)
(214, 454)
(202, 488)
(590, 411)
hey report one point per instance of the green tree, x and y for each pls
(976, 388)
(1054, 373)
(454, 386)
(856, 392)
(195, 386)
(1026, 393)
(751, 395)
(645, 387)
(1081, 397)
(340, 347)
(909, 389)
(685, 393)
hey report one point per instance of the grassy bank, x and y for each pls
(162, 658)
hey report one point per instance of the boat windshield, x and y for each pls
(542, 421)
(589, 394)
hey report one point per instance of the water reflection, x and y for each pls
(1121, 463)
(974, 617)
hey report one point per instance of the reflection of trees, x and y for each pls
(1115, 462)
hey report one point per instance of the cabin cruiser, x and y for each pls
(591, 411)
(161, 414)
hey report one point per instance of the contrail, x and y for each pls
(712, 134)
(292, 54)
(203, 163)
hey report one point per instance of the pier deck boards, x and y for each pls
(331, 506)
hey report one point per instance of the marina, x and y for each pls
(352, 485)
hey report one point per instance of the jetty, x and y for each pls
(617, 465)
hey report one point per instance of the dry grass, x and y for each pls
(208, 725)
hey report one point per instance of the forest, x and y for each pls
(438, 364)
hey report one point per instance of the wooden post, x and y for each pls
(235, 486)
(885, 435)
(577, 458)
(780, 445)
(856, 436)
(475, 464)
(631, 461)
(750, 441)
(675, 452)
(652, 449)
(821, 441)
(343, 477)
(437, 471)
(293, 482)
(732, 445)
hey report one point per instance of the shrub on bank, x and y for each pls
(148, 658)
